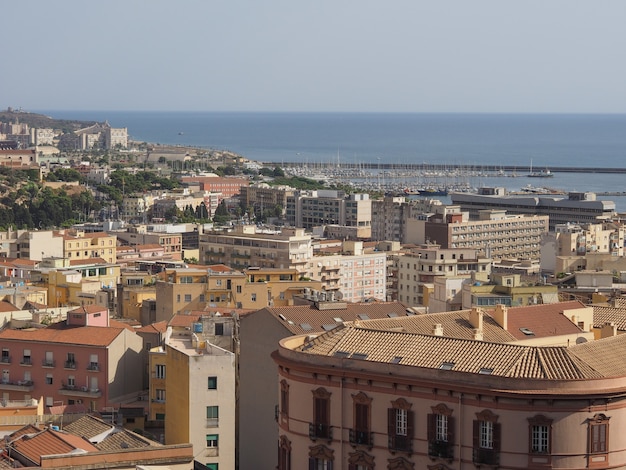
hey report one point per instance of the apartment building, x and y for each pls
(260, 333)
(575, 208)
(199, 394)
(102, 136)
(309, 209)
(494, 235)
(419, 267)
(228, 187)
(261, 197)
(246, 246)
(389, 218)
(169, 237)
(384, 394)
(572, 242)
(78, 361)
(32, 244)
(80, 245)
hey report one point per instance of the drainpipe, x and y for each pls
(460, 428)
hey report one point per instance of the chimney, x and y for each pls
(478, 334)
(608, 329)
(500, 315)
(438, 329)
(476, 318)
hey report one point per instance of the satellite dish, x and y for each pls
(581, 340)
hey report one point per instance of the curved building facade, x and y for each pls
(362, 399)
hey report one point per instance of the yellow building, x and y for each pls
(157, 366)
(78, 245)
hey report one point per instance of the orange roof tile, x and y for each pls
(99, 336)
(49, 442)
(159, 327)
(89, 309)
(543, 320)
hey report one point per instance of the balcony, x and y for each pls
(74, 391)
(48, 363)
(361, 438)
(320, 431)
(212, 422)
(26, 361)
(93, 366)
(19, 386)
(212, 452)
(70, 365)
(441, 449)
(400, 443)
(5, 359)
(486, 456)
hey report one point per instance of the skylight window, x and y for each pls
(361, 356)
(338, 319)
(306, 326)
(396, 360)
(527, 331)
(485, 371)
(341, 354)
(363, 316)
(329, 327)
(446, 365)
(392, 315)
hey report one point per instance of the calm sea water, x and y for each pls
(546, 140)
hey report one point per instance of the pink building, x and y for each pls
(80, 361)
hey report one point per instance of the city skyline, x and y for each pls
(483, 56)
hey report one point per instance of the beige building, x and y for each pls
(32, 244)
(80, 245)
(247, 246)
(262, 197)
(380, 394)
(418, 269)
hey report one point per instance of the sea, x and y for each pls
(540, 141)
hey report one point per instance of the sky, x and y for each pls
(553, 56)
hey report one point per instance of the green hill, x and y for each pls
(42, 121)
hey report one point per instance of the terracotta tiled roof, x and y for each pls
(128, 324)
(432, 352)
(88, 261)
(49, 442)
(7, 306)
(89, 309)
(149, 246)
(302, 319)
(28, 429)
(604, 315)
(454, 324)
(182, 320)
(606, 355)
(159, 327)
(88, 427)
(82, 335)
(123, 439)
(543, 320)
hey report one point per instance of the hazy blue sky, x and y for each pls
(323, 55)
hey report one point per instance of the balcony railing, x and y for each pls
(363, 438)
(400, 443)
(441, 449)
(486, 456)
(5, 359)
(77, 391)
(26, 361)
(94, 366)
(320, 431)
(47, 363)
(70, 364)
(18, 386)
(212, 422)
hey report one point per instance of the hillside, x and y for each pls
(42, 121)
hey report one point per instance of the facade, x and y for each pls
(228, 187)
(172, 242)
(80, 245)
(418, 269)
(260, 333)
(73, 363)
(261, 197)
(309, 209)
(199, 395)
(495, 234)
(374, 397)
(102, 136)
(34, 245)
(247, 246)
(389, 217)
(576, 208)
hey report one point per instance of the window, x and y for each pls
(320, 458)
(360, 433)
(160, 395)
(212, 466)
(26, 359)
(187, 297)
(212, 415)
(212, 383)
(320, 427)
(360, 460)
(71, 381)
(284, 453)
(441, 432)
(598, 429)
(49, 379)
(486, 439)
(93, 362)
(219, 329)
(253, 297)
(6, 358)
(400, 425)
(160, 371)
(540, 428)
(284, 399)
(239, 289)
(212, 440)
(70, 362)
(178, 298)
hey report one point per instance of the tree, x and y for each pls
(221, 214)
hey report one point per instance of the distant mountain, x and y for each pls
(42, 121)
